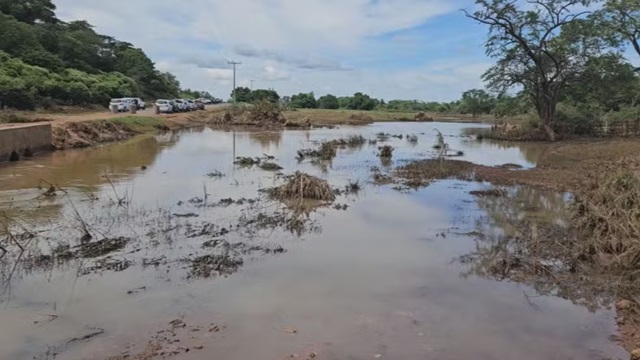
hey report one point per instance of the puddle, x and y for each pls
(185, 247)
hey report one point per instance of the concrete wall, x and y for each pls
(19, 137)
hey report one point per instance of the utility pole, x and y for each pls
(252, 81)
(235, 95)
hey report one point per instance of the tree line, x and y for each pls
(474, 102)
(46, 62)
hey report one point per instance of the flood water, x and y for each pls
(381, 279)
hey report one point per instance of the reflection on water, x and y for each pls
(520, 238)
(372, 281)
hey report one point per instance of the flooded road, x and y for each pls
(199, 261)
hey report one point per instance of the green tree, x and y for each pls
(265, 95)
(241, 94)
(304, 101)
(345, 102)
(362, 101)
(607, 84)
(475, 102)
(622, 19)
(328, 102)
(541, 47)
(30, 11)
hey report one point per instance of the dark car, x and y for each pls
(199, 105)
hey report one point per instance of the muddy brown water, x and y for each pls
(381, 279)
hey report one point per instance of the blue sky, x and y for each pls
(391, 49)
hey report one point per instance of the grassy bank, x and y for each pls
(326, 116)
(355, 117)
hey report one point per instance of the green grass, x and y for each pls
(139, 124)
(344, 116)
(11, 117)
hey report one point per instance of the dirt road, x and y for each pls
(105, 115)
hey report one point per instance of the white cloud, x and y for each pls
(220, 74)
(290, 45)
(274, 74)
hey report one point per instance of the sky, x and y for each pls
(390, 49)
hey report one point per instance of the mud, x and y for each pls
(86, 134)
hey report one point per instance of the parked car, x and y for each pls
(174, 106)
(192, 105)
(181, 105)
(204, 101)
(199, 105)
(141, 104)
(117, 103)
(164, 106)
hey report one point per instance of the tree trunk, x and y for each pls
(547, 111)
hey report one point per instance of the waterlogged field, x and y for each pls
(162, 247)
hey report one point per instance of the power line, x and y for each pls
(235, 93)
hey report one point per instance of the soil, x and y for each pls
(84, 134)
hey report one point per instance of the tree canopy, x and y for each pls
(76, 64)
(303, 101)
(541, 45)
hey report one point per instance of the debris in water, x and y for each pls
(488, 193)
(94, 332)
(386, 151)
(247, 161)
(304, 186)
(102, 247)
(215, 174)
(353, 187)
(269, 166)
(214, 265)
(189, 215)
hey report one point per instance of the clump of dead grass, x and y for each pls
(607, 220)
(261, 113)
(304, 186)
(329, 149)
(326, 152)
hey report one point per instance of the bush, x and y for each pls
(571, 120)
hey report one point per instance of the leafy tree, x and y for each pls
(345, 102)
(622, 19)
(540, 47)
(362, 101)
(476, 101)
(607, 84)
(328, 102)
(241, 94)
(264, 95)
(507, 105)
(30, 11)
(304, 101)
